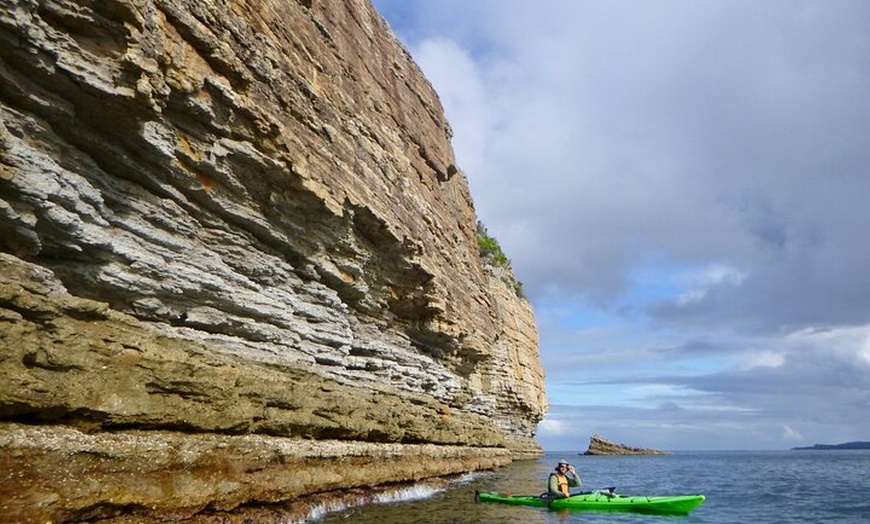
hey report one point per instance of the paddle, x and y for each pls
(610, 491)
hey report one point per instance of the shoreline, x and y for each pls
(133, 476)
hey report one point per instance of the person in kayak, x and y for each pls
(562, 480)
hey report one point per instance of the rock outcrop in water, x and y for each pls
(238, 265)
(599, 445)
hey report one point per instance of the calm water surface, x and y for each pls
(741, 487)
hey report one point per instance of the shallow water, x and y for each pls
(741, 487)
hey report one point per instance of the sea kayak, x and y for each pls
(602, 501)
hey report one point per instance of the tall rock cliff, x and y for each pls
(235, 248)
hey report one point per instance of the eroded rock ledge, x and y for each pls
(237, 226)
(168, 475)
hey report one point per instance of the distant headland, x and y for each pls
(599, 445)
(845, 445)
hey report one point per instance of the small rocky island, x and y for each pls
(599, 445)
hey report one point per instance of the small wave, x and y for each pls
(416, 492)
(319, 511)
(470, 477)
(406, 494)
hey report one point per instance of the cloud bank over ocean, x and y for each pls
(683, 189)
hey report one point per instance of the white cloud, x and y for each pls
(762, 359)
(789, 434)
(704, 279)
(689, 181)
(550, 427)
(849, 345)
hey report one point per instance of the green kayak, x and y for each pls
(602, 501)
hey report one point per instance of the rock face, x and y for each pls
(231, 232)
(599, 445)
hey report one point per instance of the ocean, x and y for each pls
(757, 487)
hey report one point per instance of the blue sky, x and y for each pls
(683, 189)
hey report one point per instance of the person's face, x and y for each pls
(563, 467)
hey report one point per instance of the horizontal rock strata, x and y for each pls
(599, 445)
(181, 476)
(238, 226)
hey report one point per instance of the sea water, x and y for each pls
(741, 487)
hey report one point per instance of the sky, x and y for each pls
(682, 187)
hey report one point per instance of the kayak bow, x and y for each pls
(598, 501)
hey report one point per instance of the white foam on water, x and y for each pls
(415, 492)
(471, 477)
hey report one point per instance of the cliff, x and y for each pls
(599, 445)
(235, 250)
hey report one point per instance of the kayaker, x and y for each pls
(561, 482)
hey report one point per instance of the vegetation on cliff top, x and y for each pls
(491, 252)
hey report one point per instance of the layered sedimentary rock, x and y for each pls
(599, 445)
(230, 231)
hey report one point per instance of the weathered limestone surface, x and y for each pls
(237, 224)
(599, 445)
(178, 476)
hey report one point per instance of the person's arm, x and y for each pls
(573, 477)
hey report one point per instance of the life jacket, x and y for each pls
(562, 483)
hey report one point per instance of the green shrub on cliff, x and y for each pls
(489, 247)
(490, 251)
